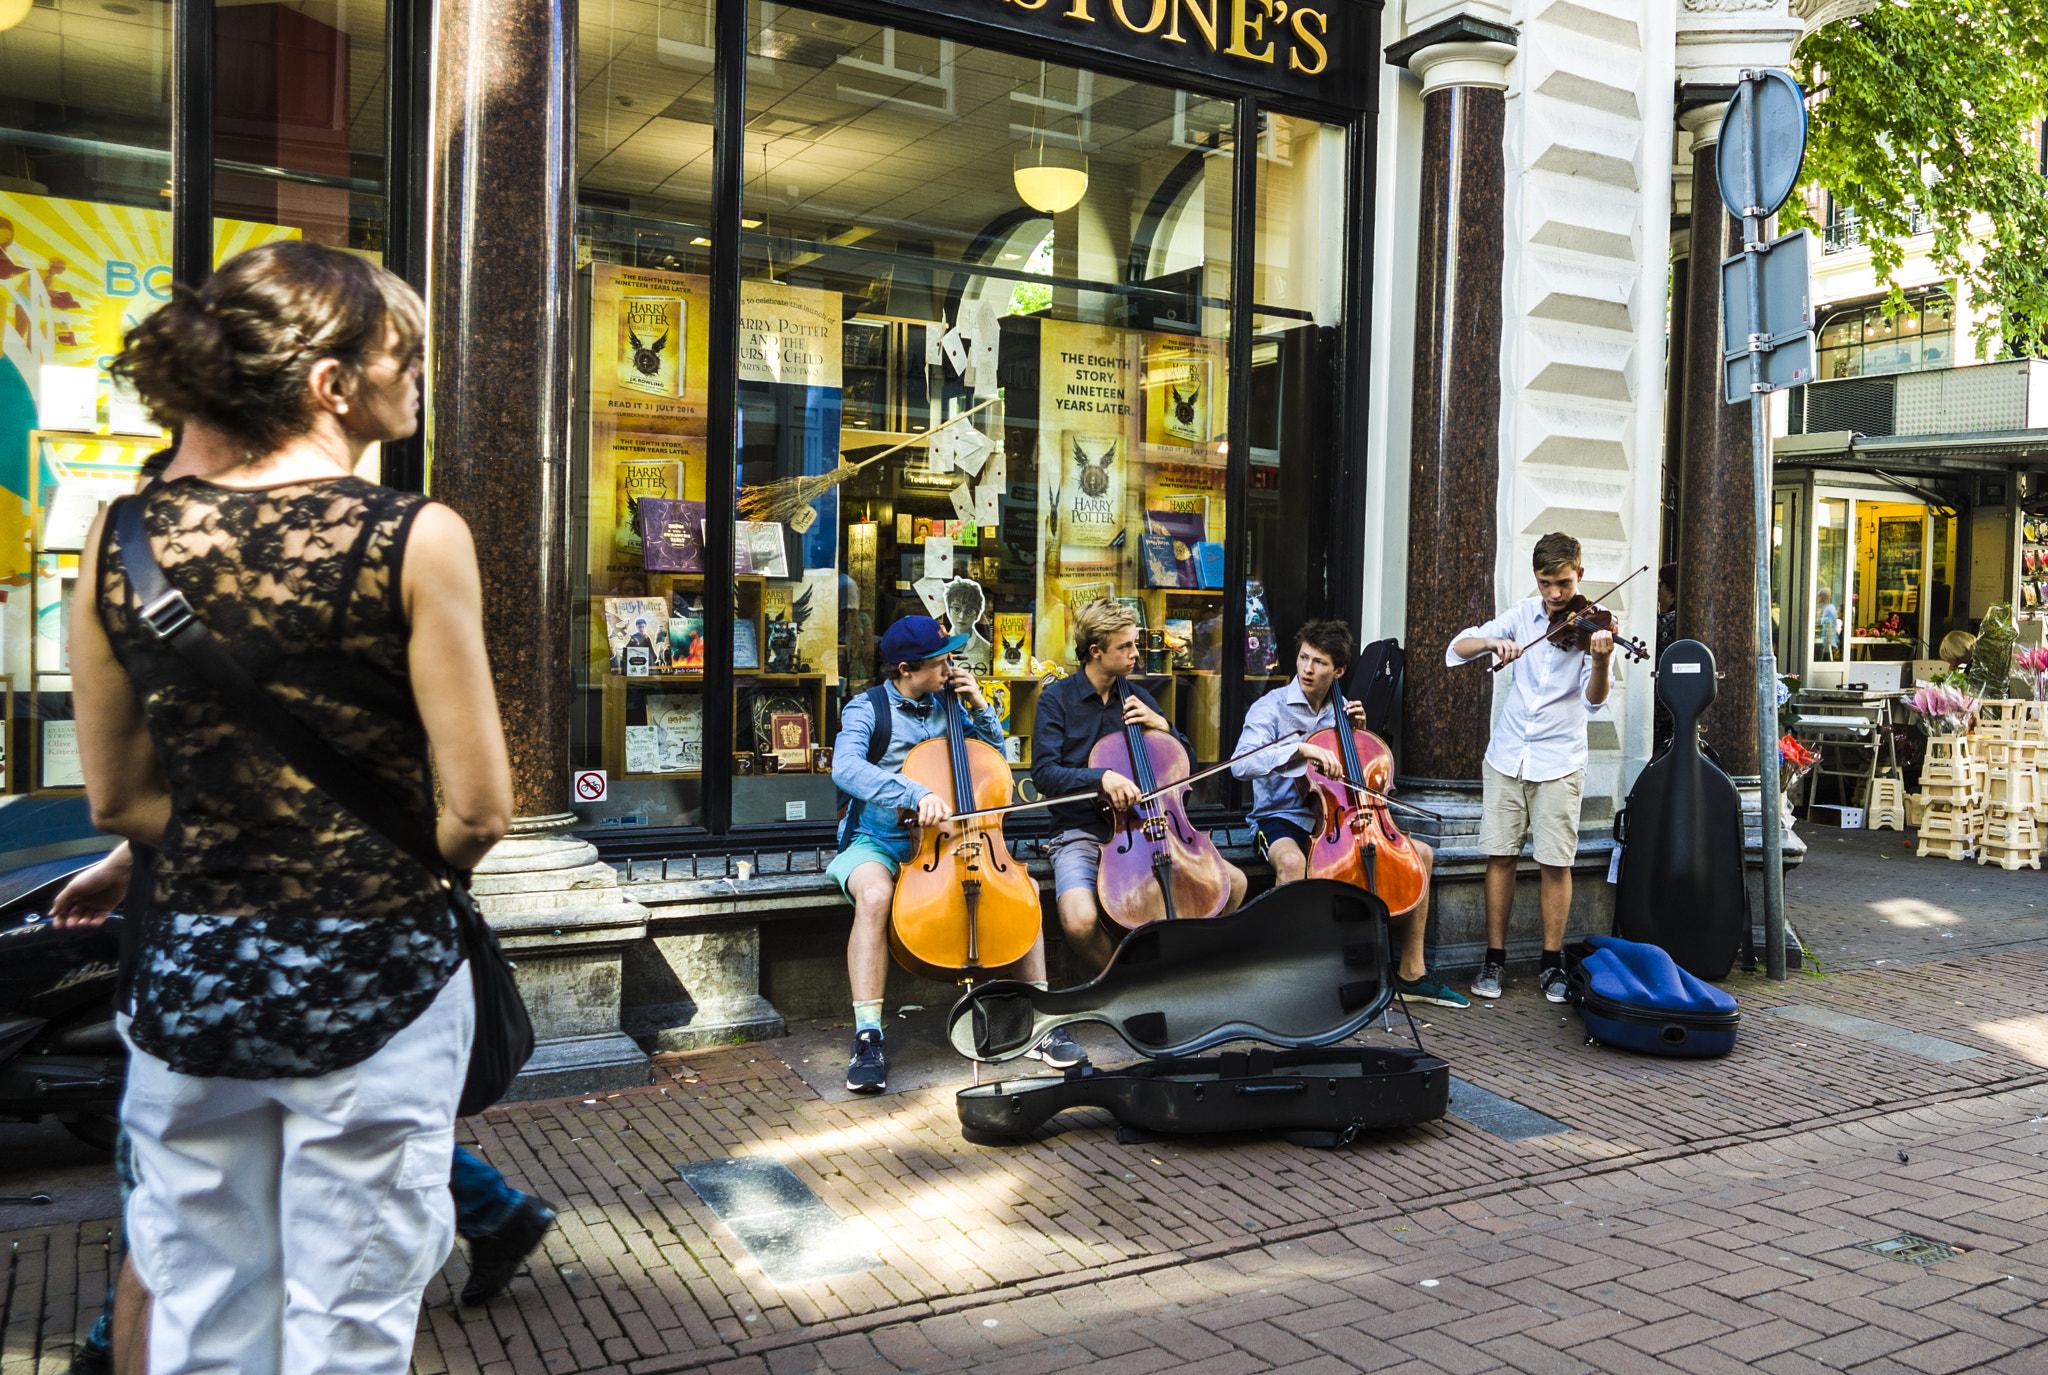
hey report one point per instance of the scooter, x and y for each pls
(59, 1053)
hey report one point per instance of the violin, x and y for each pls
(1355, 838)
(1573, 626)
(963, 906)
(1156, 867)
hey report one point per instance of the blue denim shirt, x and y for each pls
(1277, 771)
(881, 785)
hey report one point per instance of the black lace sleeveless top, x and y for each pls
(284, 937)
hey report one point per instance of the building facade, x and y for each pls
(1241, 312)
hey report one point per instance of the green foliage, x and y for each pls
(1926, 105)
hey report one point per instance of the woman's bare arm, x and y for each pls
(451, 682)
(121, 779)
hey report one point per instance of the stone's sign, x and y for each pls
(1321, 52)
(1251, 30)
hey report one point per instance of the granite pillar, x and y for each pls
(1716, 479)
(1454, 454)
(502, 264)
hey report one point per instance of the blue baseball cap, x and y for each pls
(915, 638)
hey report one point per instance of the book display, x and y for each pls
(995, 471)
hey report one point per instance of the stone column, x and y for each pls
(501, 274)
(1454, 455)
(1716, 482)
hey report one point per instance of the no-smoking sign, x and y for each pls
(591, 785)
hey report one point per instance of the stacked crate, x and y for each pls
(1885, 806)
(2009, 748)
(1949, 793)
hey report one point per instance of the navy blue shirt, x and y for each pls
(1071, 717)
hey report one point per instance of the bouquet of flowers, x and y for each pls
(1794, 762)
(2033, 662)
(1946, 708)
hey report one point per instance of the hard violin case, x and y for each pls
(1297, 970)
(1635, 997)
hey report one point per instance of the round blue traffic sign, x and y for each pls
(1763, 141)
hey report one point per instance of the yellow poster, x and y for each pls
(626, 465)
(651, 340)
(74, 277)
(789, 334)
(1090, 418)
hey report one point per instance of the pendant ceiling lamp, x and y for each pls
(1049, 180)
(12, 12)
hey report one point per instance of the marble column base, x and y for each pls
(562, 918)
(689, 987)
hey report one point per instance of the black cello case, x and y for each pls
(1682, 886)
(1298, 968)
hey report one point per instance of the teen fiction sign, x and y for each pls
(1268, 31)
(1320, 52)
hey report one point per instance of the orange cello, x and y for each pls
(963, 906)
(1356, 839)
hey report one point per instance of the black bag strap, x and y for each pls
(879, 735)
(170, 618)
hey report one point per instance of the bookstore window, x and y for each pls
(85, 251)
(952, 292)
(1297, 280)
(637, 566)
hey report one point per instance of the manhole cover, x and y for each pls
(1910, 1249)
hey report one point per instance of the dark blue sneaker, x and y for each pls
(1059, 1050)
(868, 1071)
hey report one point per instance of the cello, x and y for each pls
(963, 906)
(1356, 839)
(1156, 866)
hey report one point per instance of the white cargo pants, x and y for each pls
(289, 1226)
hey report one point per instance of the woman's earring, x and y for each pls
(341, 409)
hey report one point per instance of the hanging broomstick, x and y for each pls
(782, 500)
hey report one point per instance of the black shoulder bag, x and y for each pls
(504, 1031)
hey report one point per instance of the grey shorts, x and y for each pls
(1076, 856)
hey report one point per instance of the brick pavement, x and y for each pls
(1640, 1239)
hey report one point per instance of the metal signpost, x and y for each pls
(1767, 344)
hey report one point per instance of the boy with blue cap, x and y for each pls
(877, 731)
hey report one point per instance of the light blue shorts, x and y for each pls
(862, 849)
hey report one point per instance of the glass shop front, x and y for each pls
(1015, 332)
(972, 310)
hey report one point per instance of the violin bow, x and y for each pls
(1383, 798)
(1561, 625)
(1147, 797)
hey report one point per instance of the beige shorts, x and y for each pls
(1512, 809)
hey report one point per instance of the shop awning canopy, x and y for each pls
(1981, 451)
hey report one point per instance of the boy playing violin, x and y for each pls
(1535, 769)
(1282, 810)
(1074, 713)
(877, 731)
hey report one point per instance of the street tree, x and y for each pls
(1926, 107)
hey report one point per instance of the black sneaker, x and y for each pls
(1553, 984)
(1059, 1050)
(495, 1257)
(868, 1071)
(89, 1359)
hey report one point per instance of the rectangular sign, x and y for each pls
(1786, 287)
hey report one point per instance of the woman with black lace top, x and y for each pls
(300, 1014)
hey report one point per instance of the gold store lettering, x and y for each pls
(1242, 23)
(1250, 30)
(1158, 15)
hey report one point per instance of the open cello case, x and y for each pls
(1298, 969)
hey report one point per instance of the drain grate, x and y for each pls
(1910, 1249)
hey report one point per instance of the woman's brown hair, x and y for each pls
(236, 353)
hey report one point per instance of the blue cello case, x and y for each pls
(1635, 997)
